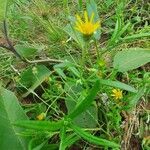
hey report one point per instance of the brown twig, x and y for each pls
(10, 45)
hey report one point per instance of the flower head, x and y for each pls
(117, 94)
(88, 26)
(41, 116)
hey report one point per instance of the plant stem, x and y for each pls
(84, 49)
(98, 54)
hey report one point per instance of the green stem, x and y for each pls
(98, 54)
(84, 52)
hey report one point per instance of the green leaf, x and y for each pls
(31, 78)
(34, 145)
(26, 52)
(74, 71)
(75, 94)
(117, 29)
(62, 137)
(80, 4)
(85, 103)
(135, 36)
(39, 125)
(70, 139)
(66, 65)
(93, 139)
(60, 72)
(11, 111)
(91, 7)
(3, 9)
(51, 147)
(131, 59)
(3, 6)
(69, 29)
(135, 98)
(118, 84)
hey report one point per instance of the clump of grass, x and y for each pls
(82, 99)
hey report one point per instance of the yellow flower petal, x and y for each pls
(88, 27)
(117, 94)
(92, 17)
(86, 16)
(79, 19)
(114, 90)
(41, 116)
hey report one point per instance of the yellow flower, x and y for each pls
(88, 26)
(41, 116)
(117, 94)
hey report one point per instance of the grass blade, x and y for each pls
(118, 84)
(40, 125)
(93, 139)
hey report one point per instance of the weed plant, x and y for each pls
(74, 75)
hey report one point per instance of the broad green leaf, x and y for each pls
(11, 111)
(32, 77)
(75, 94)
(39, 125)
(118, 84)
(131, 59)
(93, 139)
(26, 52)
(85, 103)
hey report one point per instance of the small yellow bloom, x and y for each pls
(41, 116)
(117, 94)
(88, 26)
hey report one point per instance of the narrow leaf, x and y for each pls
(93, 139)
(135, 36)
(71, 139)
(62, 137)
(86, 102)
(40, 125)
(75, 94)
(118, 84)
